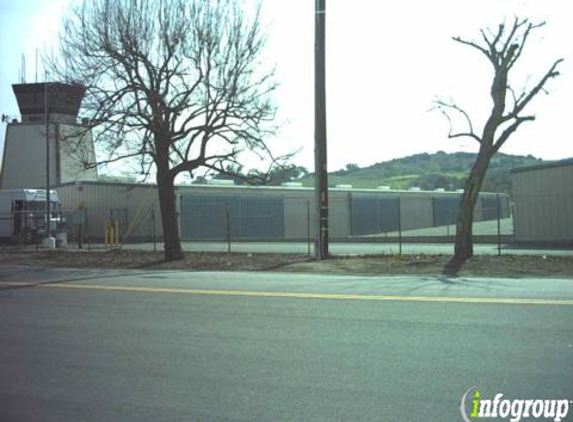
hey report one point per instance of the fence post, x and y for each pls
(154, 237)
(227, 218)
(116, 232)
(399, 227)
(308, 239)
(498, 226)
(350, 216)
(87, 228)
(105, 233)
(36, 226)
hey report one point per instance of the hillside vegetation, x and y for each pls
(429, 172)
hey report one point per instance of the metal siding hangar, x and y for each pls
(543, 201)
(262, 212)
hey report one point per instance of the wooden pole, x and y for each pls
(321, 171)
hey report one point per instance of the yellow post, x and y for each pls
(116, 233)
(105, 232)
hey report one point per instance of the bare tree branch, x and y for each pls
(443, 107)
(472, 44)
(507, 132)
(177, 83)
(503, 48)
(522, 102)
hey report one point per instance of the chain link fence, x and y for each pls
(352, 218)
(72, 229)
(26, 230)
(227, 219)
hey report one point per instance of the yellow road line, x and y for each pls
(296, 295)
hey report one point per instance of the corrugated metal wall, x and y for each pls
(204, 216)
(543, 199)
(416, 211)
(339, 214)
(299, 214)
(136, 207)
(445, 210)
(374, 214)
(490, 207)
(265, 213)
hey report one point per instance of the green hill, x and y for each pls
(429, 171)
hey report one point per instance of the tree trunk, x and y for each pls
(464, 242)
(172, 243)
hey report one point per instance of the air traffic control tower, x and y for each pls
(24, 163)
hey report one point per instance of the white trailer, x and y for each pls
(23, 213)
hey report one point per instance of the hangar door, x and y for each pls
(490, 207)
(373, 214)
(446, 210)
(204, 216)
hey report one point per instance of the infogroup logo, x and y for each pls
(513, 409)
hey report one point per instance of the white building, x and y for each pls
(24, 161)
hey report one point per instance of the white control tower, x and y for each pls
(24, 163)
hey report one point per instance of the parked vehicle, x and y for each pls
(23, 214)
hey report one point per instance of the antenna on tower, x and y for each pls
(36, 65)
(23, 79)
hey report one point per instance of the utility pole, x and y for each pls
(321, 175)
(46, 118)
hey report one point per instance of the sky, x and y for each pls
(387, 62)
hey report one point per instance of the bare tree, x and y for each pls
(176, 84)
(502, 48)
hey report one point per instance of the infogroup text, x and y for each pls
(512, 409)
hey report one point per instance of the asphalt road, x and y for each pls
(90, 345)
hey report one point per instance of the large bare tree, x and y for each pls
(503, 48)
(176, 84)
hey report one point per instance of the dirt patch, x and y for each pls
(197, 261)
(430, 265)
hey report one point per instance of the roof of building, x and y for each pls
(62, 98)
(199, 187)
(547, 165)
